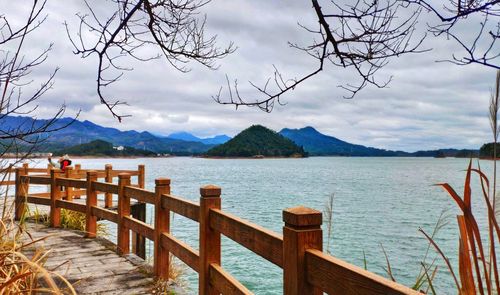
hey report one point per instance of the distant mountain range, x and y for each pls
(218, 139)
(83, 132)
(318, 144)
(183, 143)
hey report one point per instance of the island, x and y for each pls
(258, 141)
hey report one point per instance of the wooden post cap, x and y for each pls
(91, 173)
(162, 181)
(124, 176)
(109, 166)
(302, 216)
(208, 191)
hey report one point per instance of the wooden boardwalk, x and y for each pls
(92, 266)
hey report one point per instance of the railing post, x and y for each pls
(210, 250)
(108, 197)
(68, 190)
(162, 225)
(76, 172)
(55, 194)
(139, 212)
(22, 187)
(91, 220)
(302, 231)
(141, 178)
(123, 211)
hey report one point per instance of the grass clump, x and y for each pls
(26, 274)
(175, 283)
(76, 220)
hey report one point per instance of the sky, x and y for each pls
(427, 105)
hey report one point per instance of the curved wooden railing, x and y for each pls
(306, 269)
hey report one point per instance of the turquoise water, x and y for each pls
(376, 201)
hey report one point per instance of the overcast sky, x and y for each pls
(427, 105)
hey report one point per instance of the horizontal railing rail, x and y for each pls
(306, 268)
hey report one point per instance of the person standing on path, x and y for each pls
(62, 163)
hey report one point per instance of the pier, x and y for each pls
(297, 250)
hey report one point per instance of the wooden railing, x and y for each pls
(306, 269)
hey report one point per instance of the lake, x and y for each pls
(377, 201)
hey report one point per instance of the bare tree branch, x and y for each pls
(362, 37)
(174, 27)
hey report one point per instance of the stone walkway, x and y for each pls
(92, 265)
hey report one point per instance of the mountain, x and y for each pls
(318, 144)
(257, 140)
(79, 132)
(218, 139)
(103, 148)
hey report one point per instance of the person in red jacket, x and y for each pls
(63, 162)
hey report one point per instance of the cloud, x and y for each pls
(428, 104)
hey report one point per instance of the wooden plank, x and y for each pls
(77, 183)
(82, 174)
(41, 195)
(7, 182)
(71, 206)
(115, 173)
(105, 187)
(139, 227)
(106, 214)
(80, 192)
(181, 250)
(335, 276)
(140, 194)
(37, 170)
(185, 208)
(225, 283)
(257, 239)
(37, 179)
(38, 200)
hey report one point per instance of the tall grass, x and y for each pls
(21, 273)
(476, 275)
(76, 220)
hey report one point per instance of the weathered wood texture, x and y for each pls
(210, 251)
(302, 231)
(91, 265)
(106, 214)
(335, 276)
(225, 283)
(123, 234)
(139, 227)
(185, 208)
(140, 194)
(162, 226)
(257, 239)
(181, 250)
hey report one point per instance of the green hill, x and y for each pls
(486, 151)
(257, 140)
(103, 148)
